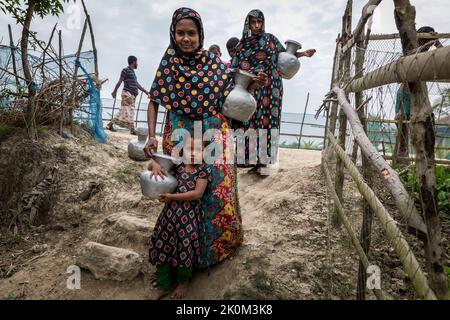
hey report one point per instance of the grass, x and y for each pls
(308, 145)
(128, 173)
(6, 129)
(442, 185)
(41, 130)
(86, 158)
(63, 148)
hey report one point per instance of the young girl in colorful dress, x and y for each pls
(175, 244)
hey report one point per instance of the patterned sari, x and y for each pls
(192, 87)
(260, 53)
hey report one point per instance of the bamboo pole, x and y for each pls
(303, 120)
(359, 249)
(332, 106)
(62, 99)
(13, 55)
(91, 31)
(396, 121)
(75, 73)
(346, 65)
(366, 228)
(393, 36)
(410, 159)
(426, 66)
(45, 51)
(394, 235)
(423, 138)
(403, 200)
(367, 13)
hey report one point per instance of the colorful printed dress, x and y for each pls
(176, 236)
(192, 87)
(257, 53)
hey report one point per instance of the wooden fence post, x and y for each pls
(423, 137)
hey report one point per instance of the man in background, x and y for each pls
(215, 49)
(126, 116)
(232, 44)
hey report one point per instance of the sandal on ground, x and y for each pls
(110, 127)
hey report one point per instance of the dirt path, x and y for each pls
(284, 219)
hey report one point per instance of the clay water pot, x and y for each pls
(288, 63)
(136, 146)
(240, 104)
(155, 186)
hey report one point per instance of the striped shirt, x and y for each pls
(130, 83)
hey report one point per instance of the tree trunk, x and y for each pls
(30, 116)
(423, 138)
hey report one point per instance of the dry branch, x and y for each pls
(403, 200)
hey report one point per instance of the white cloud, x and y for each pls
(141, 28)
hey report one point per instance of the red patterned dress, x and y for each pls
(175, 238)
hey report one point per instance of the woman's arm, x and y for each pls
(308, 53)
(143, 90)
(152, 143)
(196, 194)
(258, 81)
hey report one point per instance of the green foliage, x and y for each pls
(442, 186)
(86, 158)
(43, 8)
(6, 129)
(310, 145)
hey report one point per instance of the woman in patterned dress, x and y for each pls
(258, 51)
(192, 84)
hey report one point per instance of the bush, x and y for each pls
(442, 186)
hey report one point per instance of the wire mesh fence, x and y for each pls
(371, 209)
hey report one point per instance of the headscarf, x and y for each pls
(257, 52)
(192, 85)
(258, 14)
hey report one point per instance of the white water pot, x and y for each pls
(240, 104)
(155, 186)
(288, 62)
(136, 146)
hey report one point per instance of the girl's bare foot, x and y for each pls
(180, 291)
(159, 293)
(153, 279)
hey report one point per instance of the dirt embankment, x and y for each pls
(286, 254)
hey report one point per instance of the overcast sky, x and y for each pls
(141, 28)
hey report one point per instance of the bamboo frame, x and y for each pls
(394, 235)
(404, 202)
(427, 66)
(343, 217)
(393, 36)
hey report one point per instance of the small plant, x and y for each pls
(41, 129)
(128, 173)
(442, 185)
(86, 158)
(6, 129)
(311, 145)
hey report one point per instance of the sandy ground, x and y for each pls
(283, 217)
(284, 254)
